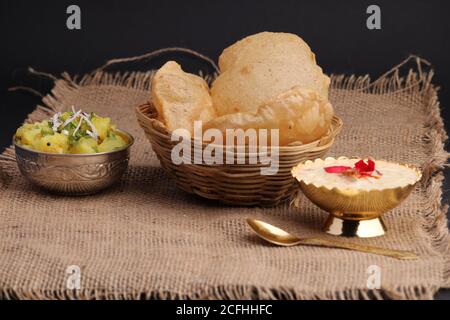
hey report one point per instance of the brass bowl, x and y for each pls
(73, 174)
(355, 212)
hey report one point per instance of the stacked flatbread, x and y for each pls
(267, 81)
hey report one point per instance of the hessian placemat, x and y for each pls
(143, 238)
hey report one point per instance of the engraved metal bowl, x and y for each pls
(73, 174)
(355, 212)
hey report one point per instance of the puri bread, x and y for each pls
(267, 81)
(300, 114)
(263, 46)
(180, 98)
(262, 66)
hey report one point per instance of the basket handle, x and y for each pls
(159, 52)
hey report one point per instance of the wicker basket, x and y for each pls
(237, 184)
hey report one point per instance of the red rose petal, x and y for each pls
(337, 169)
(360, 170)
(371, 165)
(361, 166)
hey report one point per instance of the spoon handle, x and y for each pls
(399, 254)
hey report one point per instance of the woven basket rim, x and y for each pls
(324, 142)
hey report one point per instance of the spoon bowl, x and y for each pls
(272, 234)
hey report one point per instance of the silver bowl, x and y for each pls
(73, 174)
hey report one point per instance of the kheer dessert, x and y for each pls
(355, 192)
(358, 174)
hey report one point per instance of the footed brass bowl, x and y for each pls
(355, 212)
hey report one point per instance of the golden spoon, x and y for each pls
(280, 237)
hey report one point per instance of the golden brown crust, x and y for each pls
(300, 115)
(180, 98)
(260, 67)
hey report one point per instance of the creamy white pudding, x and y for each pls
(343, 174)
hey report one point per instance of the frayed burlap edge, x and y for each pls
(230, 292)
(434, 220)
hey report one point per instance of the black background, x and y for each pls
(34, 33)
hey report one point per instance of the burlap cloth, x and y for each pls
(143, 238)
